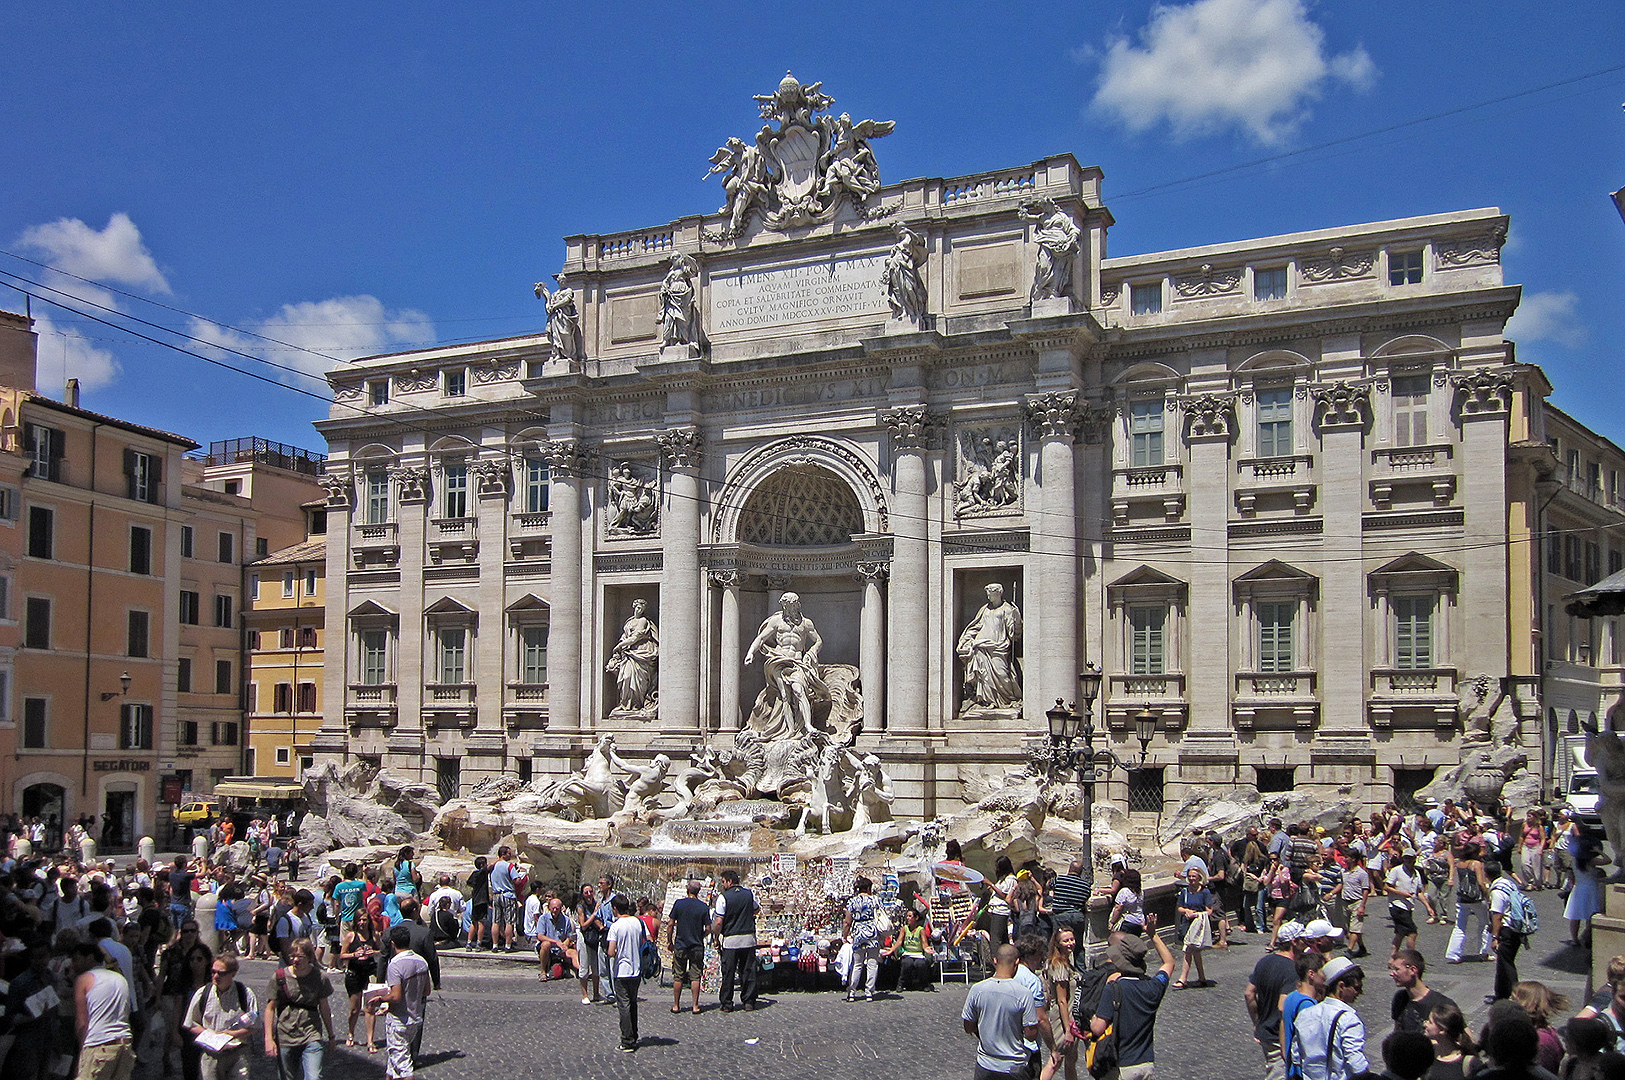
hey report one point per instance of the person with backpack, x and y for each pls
(294, 924)
(224, 1007)
(298, 1018)
(1467, 879)
(1129, 1004)
(624, 944)
(1311, 989)
(1512, 920)
(1328, 1039)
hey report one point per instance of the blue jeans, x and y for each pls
(300, 1062)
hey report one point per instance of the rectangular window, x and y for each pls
(284, 755)
(1594, 479)
(378, 392)
(454, 489)
(1571, 558)
(307, 637)
(253, 640)
(1404, 267)
(1145, 795)
(45, 447)
(456, 383)
(141, 475)
(222, 677)
(374, 657)
(1616, 561)
(448, 777)
(284, 638)
(1146, 629)
(34, 723)
(188, 539)
(527, 769)
(189, 601)
(282, 697)
(140, 550)
(288, 581)
(1554, 553)
(537, 484)
(1275, 422)
(251, 697)
(11, 503)
(1145, 299)
(222, 611)
(135, 727)
(1411, 409)
(37, 623)
(41, 532)
(1275, 635)
(533, 655)
(1593, 565)
(227, 548)
(310, 584)
(136, 638)
(262, 547)
(5, 597)
(1274, 781)
(1145, 420)
(377, 498)
(183, 675)
(253, 586)
(223, 732)
(188, 733)
(453, 653)
(1413, 631)
(1269, 284)
(305, 702)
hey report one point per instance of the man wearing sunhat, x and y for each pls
(1322, 937)
(1328, 1040)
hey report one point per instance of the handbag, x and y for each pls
(883, 923)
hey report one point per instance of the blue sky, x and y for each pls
(361, 177)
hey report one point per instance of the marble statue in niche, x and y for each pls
(635, 663)
(988, 649)
(679, 303)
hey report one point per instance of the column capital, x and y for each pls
(1483, 393)
(872, 573)
(1055, 415)
(1209, 416)
(726, 579)
(336, 486)
(1342, 404)
(492, 476)
(571, 456)
(912, 427)
(412, 481)
(681, 447)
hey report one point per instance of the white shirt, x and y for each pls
(627, 933)
(1035, 985)
(456, 899)
(1408, 880)
(533, 914)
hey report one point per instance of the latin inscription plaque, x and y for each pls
(805, 292)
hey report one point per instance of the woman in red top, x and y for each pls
(650, 914)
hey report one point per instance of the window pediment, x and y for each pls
(1275, 578)
(371, 609)
(1414, 571)
(1145, 584)
(529, 604)
(448, 609)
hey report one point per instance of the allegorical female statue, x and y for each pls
(1057, 237)
(634, 662)
(563, 322)
(987, 648)
(900, 276)
(679, 303)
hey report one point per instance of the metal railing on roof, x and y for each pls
(265, 452)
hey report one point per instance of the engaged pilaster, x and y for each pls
(1055, 419)
(680, 581)
(569, 461)
(913, 429)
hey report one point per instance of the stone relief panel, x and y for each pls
(987, 470)
(1476, 251)
(1339, 264)
(632, 503)
(1208, 281)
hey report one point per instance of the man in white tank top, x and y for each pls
(102, 1017)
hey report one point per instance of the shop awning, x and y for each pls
(253, 787)
(1606, 597)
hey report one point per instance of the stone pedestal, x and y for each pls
(1607, 933)
(1054, 306)
(673, 353)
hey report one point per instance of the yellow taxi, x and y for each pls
(196, 812)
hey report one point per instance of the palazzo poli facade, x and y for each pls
(1281, 492)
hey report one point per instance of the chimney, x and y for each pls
(70, 393)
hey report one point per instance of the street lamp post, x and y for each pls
(1072, 746)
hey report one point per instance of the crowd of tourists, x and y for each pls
(1323, 900)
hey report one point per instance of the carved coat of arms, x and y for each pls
(801, 164)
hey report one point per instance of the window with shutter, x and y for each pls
(1275, 422)
(41, 532)
(136, 638)
(37, 623)
(140, 550)
(1275, 635)
(1146, 626)
(1413, 631)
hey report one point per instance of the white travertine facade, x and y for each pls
(1271, 488)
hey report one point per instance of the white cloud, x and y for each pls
(1214, 64)
(1548, 316)
(316, 333)
(66, 353)
(114, 254)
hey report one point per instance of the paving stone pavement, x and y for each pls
(495, 1020)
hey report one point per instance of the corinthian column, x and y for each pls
(728, 680)
(912, 428)
(1054, 593)
(872, 643)
(680, 582)
(568, 460)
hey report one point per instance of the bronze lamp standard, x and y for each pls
(1068, 728)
